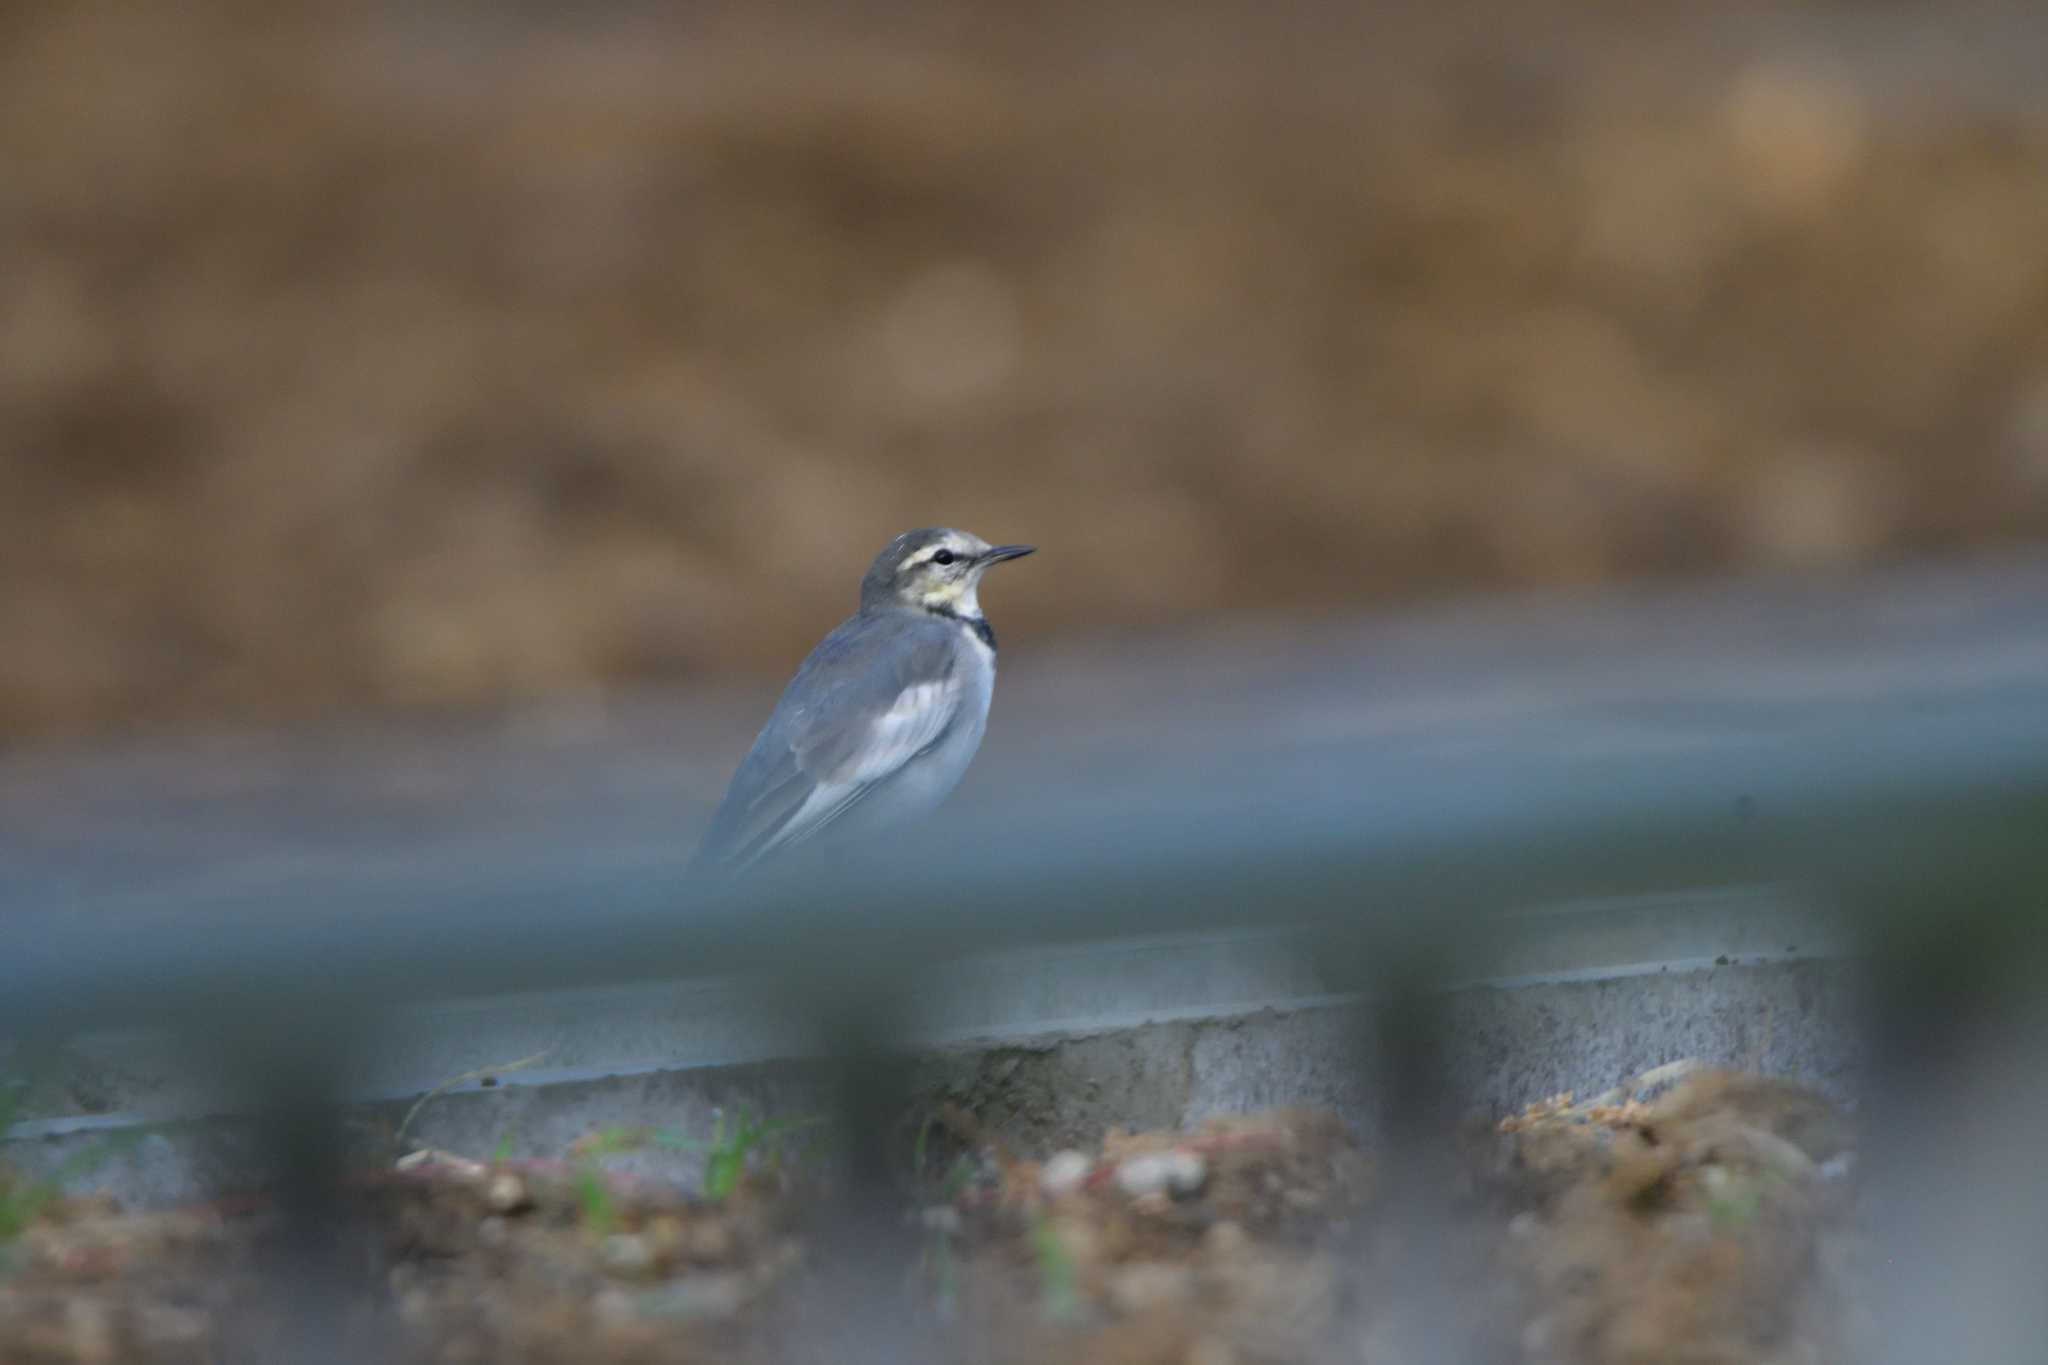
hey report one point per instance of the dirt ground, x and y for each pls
(431, 357)
(1696, 1215)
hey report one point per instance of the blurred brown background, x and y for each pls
(444, 355)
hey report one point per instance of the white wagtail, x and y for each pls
(883, 718)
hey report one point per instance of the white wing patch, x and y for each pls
(917, 720)
(920, 715)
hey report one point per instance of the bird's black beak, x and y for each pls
(996, 554)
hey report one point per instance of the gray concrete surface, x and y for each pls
(1079, 989)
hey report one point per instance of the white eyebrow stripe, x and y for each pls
(926, 555)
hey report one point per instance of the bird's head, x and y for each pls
(933, 569)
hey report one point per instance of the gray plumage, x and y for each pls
(882, 719)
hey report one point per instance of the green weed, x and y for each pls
(594, 1200)
(1058, 1279)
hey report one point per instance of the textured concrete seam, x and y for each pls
(1044, 1035)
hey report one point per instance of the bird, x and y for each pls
(882, 719)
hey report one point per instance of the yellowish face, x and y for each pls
(944, 576)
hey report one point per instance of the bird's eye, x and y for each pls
(943, 557)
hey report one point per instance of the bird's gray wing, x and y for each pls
(873, 695)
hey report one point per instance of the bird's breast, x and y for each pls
(946, 762)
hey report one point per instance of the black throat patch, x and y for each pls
(983, 631)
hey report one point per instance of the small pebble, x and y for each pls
(1176, 1172)
(492, 1232)
(506, 1193)
(1064, 1173)
(1187, 1173)
(445, 1163)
